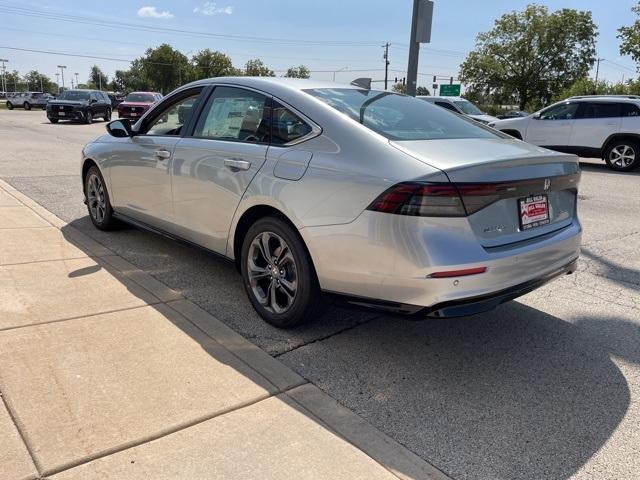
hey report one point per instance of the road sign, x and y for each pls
(450, 90)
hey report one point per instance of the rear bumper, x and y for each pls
(485, 303)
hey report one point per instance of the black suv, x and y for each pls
(80, 105)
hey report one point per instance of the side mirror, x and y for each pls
(120, 128)
(536, 116)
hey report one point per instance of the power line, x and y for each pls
(67, 54)
(28, 12)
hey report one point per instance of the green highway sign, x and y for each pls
(450, 90)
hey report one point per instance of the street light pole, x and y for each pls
(4, 82)
(62, 67)
(338, 71)
(58, 82)
(77, 82)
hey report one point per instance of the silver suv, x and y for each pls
(459, 105)
(27, 100)
(606, 127)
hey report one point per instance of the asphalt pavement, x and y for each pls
(546, 387)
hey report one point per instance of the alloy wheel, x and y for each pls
(272, 272)
(622, 156)
(96, 198)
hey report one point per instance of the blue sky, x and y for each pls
(332, 34)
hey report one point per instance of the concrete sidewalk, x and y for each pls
(107, 373)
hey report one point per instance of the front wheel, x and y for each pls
(98, 203)
(27, 106)
(278, 274)
(88, 117)
(10, 105)
(107, 115)
(53, 120)
(622, 155)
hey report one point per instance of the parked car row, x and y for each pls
(27, 100)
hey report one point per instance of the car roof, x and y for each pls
(605, 98)
(453, 99)
(275, 83)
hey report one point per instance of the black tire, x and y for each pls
(106, 220)
(622, 163)
(88, 117)
(107, 115)
(26, 105)
(53, 120)
(306, 303)
(9, 106)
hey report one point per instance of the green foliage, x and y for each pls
(586, 86)
(207, 64)
(531, 55)
(97, 79)
(298, 72)
(255, 68)
(422, 91)
(13, 81)
(162, 69)
(399, 88)
(33, 82)
(630, 37)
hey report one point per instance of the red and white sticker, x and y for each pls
(534, 211)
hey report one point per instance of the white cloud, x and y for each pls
(211, 8)
(152, 12)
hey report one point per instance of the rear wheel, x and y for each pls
(26, 105)
(278, 274)
(98, 203)
(622, 155)
(10, 105)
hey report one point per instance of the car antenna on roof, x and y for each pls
(362, 82)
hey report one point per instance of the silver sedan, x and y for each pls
(313, 187)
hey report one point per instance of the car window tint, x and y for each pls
(448, 106)
(400, 117)
(286, 126)
(234, 114)
(171, 120)
(601, 110)
(629, 110)
(565, 111)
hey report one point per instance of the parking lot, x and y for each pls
(547, 386)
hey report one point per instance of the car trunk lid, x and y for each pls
(512, 191)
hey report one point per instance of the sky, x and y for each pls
(341, 36)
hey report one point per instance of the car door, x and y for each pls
(594, 123)
(552, 127)
(212, 168)
(139, 166)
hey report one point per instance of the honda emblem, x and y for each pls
(547, 183)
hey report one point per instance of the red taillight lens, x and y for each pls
(421, 200)
(458, 273)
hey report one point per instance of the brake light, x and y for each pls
(420, 200)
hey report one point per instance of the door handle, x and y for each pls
(235, 164)
(162, 154)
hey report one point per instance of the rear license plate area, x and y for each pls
(533, 211)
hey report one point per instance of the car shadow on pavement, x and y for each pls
(603, 168)
(629, 277)
(514, 393)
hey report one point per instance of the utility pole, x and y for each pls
(598, 69)
(62, 67)
(41, 88)
(58, 82)
(337, 71)
(386, 63)
(421, 20)
(4, 82)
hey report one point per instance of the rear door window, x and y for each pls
(629, 110)
(601, 110)
(286, 126)
(448, 106)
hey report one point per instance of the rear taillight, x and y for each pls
(420, 200)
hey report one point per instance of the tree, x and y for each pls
(255, 68)
(631, 38)
(298, 72)
(163, 68)
(401, 88)
(587, 86)
(207, 63)
(12, 81)
(39, 82)
(97, 78)
(531, 55)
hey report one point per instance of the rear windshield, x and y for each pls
(73, 95)
(399, 117)
(140, 97)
